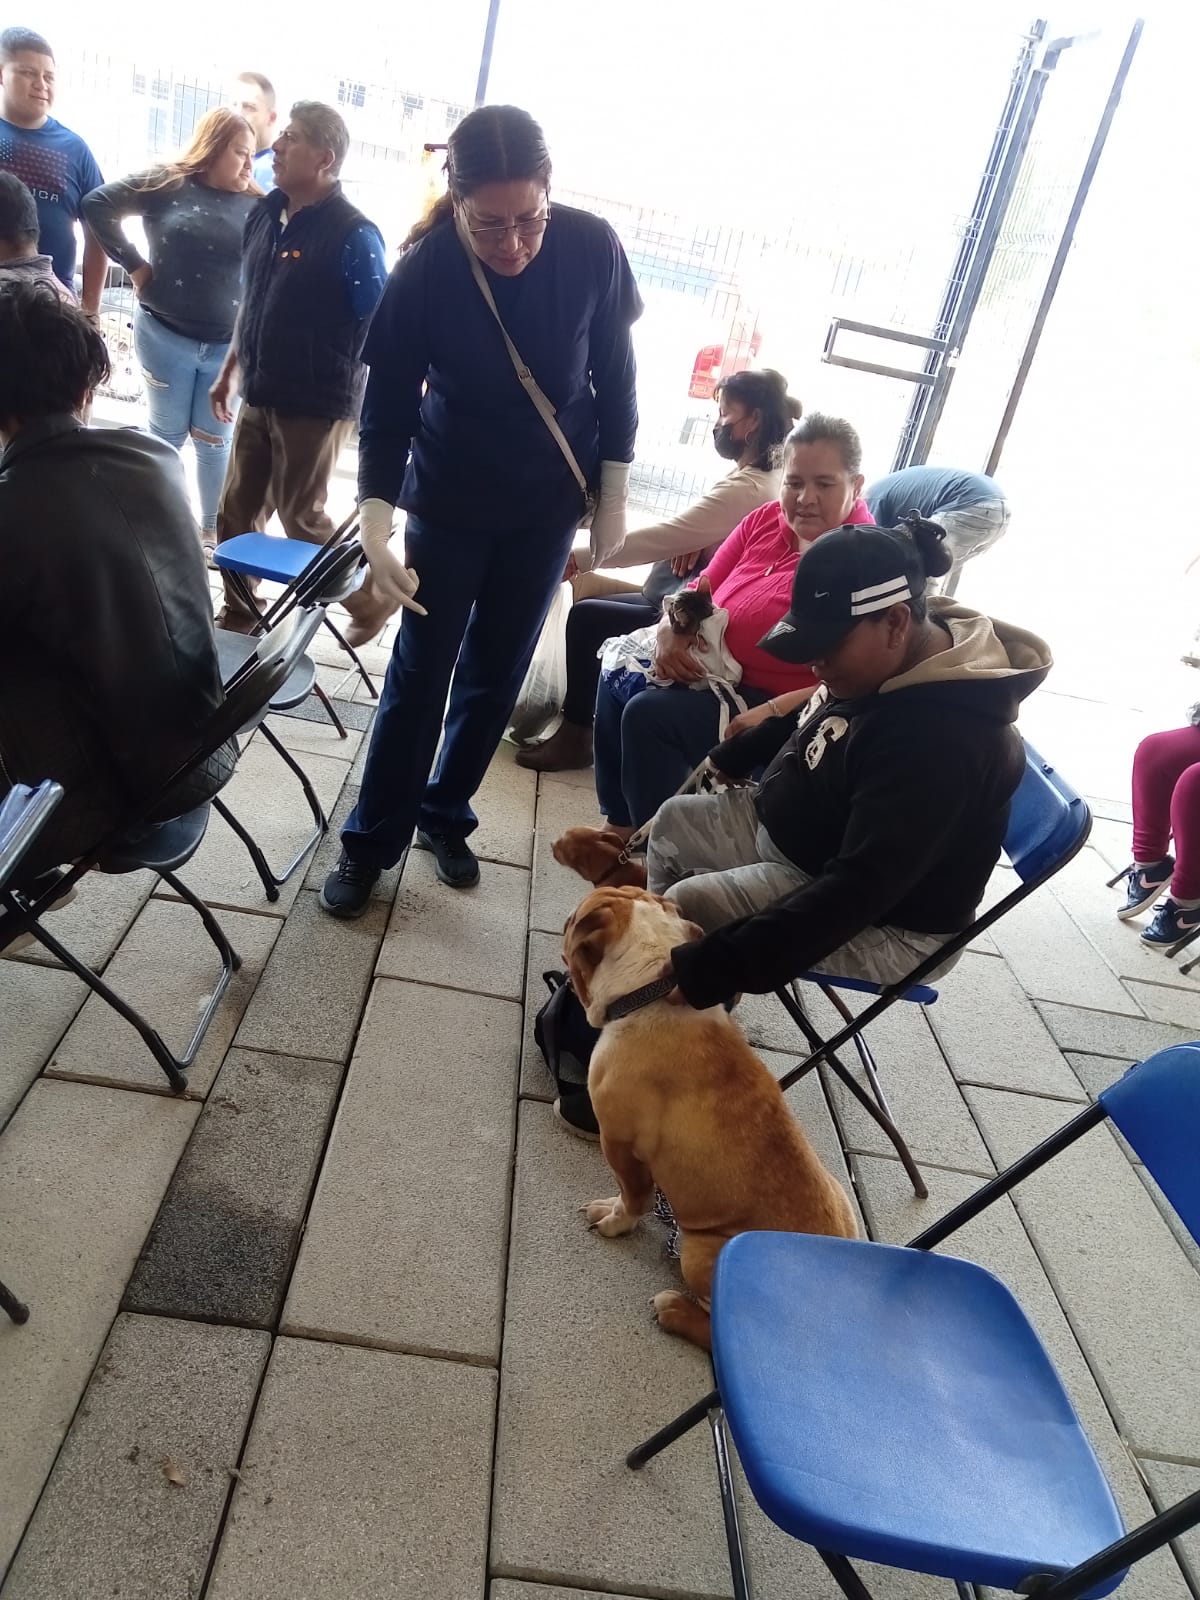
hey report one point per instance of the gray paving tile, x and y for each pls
(926, 1102)
(1097, 1072)
(566, 1509)
(991, 1033)
(317, 736)
(338, 683)
(310, 997)
(998, 1241)
(556, 890)
(82, 1171)
(223, 1244)
(167, 968)
(1169, 1483)
(328, 652)
(1052, 960)
(507, 1589)
(110, 1522)
(367, 1474)
(404, 1247)
(1099, 1033)
(505, 807)
(1080, 888)
(267, 799)
(581, 778)
(37, 1004)
(95, 922)
(1132, 1296)
(472, 939)
(325, 856)
(1180, 1007)
(1112, 842)
(767, 1025)
(544, 954)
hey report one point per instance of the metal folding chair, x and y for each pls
(290, 562)
(164, 847)
(1048, 825)
(24, 812)
(329, 578)
(896, 1406)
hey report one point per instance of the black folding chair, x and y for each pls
(1048, 825)
(24, 812)
(330, 576)
(290, 562)
(165, 847)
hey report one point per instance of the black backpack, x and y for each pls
(564, 1035)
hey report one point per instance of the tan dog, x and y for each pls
(683, 1102)
(594, 854)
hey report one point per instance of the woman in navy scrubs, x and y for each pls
(449, 434)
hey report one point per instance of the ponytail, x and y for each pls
(437, 212)
(764, 391)
(930, 540)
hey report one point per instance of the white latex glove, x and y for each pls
(394, 581)
(608, 523)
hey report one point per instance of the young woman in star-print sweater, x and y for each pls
(193, 211)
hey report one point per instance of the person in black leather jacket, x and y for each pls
(108, 664)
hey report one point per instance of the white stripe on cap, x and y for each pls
(879, 596)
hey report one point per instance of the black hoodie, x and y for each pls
(896, 804)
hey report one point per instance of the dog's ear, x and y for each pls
(585, 940)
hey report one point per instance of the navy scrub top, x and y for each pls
(481, 456)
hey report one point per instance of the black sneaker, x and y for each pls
(1171, 922)
(1143, 885)
(575, 1112)
(454, 861)
(346, 892)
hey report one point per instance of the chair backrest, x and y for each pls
(23, 814)
(257, 681)
(1048, 821)
(306, 587)
(332, 576)
(1156, 1105)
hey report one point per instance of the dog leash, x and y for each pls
(643, 833)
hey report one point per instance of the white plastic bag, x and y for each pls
(545, 686)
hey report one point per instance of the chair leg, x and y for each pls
(17, 1310)
(331, 710)
(865, 1054)
(848, 1581)
(733, 1534)
(673, 1430)
(173, 1068)
(261, 865)
(354, 656)
(270, 879)
(1182, 944)
(816, 1044)
(230, 962)
(1124, 873)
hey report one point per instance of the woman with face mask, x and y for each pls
(754, 413)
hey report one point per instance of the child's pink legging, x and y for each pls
(1166, 801)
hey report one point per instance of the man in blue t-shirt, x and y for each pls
(254, 97)
(55, 163)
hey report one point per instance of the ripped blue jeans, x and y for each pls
(178, 374)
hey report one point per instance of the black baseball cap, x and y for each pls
(847, 574)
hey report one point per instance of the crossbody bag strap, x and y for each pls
(528, 382)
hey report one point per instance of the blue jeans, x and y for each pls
(487, 595)
(646, 748)
(179, 372)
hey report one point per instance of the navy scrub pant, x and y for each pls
(487, 595)
(645, 749)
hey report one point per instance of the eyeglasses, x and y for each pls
(524, 228)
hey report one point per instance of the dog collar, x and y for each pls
(639, 998)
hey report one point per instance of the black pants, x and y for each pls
(589, 624)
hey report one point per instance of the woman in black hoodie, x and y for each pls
(879, 819)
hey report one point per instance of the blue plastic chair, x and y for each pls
(292, 563)
(1048, 824)
(896, 1406)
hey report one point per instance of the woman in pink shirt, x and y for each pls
(646, 748)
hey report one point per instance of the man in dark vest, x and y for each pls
(314, 268)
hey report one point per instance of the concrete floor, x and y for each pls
(332, 1324)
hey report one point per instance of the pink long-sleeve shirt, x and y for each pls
(751, 576)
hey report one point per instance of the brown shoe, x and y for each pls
(369, 614)
(568, 750)
(235, 621)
